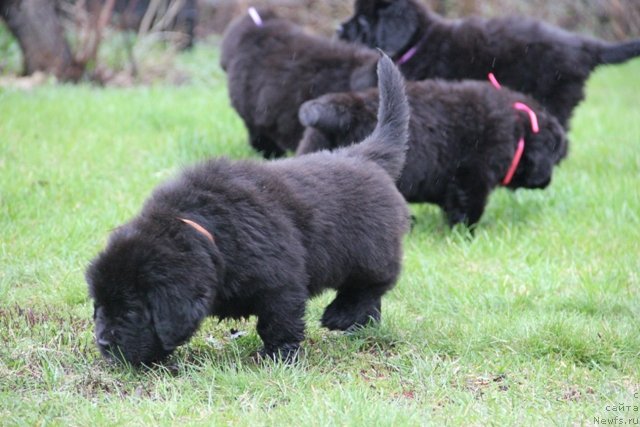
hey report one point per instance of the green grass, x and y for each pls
(10, 56)
(535, 319)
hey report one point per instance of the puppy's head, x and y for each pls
(543, 150)
(337, 119)
(391, 25)
(150, 289)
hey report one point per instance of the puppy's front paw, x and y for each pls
(287, 353)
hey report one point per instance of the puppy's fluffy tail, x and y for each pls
(615, 53)
(387, 145)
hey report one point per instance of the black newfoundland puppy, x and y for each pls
(273, 66)
(233, 239)
(529, 56)
(465, 139)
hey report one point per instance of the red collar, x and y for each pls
(533, 118)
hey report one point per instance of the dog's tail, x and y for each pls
(615, 53)
(387, 145)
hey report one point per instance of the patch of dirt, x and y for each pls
(16, 316)
(92, 385)
(571, 395)
(25, 82)
(478, 385)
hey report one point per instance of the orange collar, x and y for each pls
(200, 229)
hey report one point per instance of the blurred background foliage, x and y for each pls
(143, 48)
(609, 19)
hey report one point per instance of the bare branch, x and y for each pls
(172, 11)
(91, 40)
(147, 20)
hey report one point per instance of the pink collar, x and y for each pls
(494, 81)
(255, 16)
(514, 163)
(414, 49)
(535, 128)
(407, 55)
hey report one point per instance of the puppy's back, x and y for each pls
(273, 68)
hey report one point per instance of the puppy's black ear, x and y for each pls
(325, 115)
(543, 151)
(561, 144)
(397, 24)
(539, 170)
(176, 313)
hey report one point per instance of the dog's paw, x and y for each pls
(335, 318)
(287, 353)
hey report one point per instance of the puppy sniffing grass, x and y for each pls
(465, 139)
(233, 239)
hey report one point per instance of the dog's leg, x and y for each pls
(265, 145)
(465, 198)
(353, 308)
(281, 327)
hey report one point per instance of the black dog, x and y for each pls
(273, 66)
(234, 239)
(528, 56)
(463, 138)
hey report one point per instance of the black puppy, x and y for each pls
(233, 239)
(273, 66)
(464, 141)
(529, 56)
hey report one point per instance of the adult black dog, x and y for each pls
(273, 66)
(234, 239)
(528, 56)
(465, 139)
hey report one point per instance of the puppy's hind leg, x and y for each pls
(355, 307)
(265, 145)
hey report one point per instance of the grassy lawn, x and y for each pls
(535, 319)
